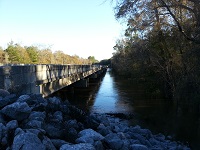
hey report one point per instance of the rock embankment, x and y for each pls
(30, 122)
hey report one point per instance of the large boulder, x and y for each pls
(89, 136)
(81, 146)
(36, 115)
(103, 130)
(7, 100)
(58, 116)
(53, 131)
(58, 143)
(24, 98)
(113, 141)
(27, 141)
(48, 143)
(35, 120)
(34, 124)
(12, 125)
(53, 104)
(138, 147)
(71, 124)
(18, 111)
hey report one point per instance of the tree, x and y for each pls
(33, 54)
(159, 37)
(59, 57)
(45, 56)
(17, 54)
(1, 55)
(92, 59)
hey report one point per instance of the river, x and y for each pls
(117, 95)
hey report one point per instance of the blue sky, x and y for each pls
(81, 27)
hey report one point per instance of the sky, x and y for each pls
(76, 27)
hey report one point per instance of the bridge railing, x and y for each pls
(20, 76)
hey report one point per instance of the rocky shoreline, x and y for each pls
(30, 122)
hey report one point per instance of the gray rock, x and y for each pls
(104, 120)
(53, 104)
(40, 107)
(64, 108)
(11, 125)
(58, 143)
(48, 143)
(53, 131)
(138, 147)
(54, 100)
(35, 124)
(122, 128)
(114, 141)
(9, 99)
(18, 131)
(18, 111)
(36, 115)
(98, 145)
(90, 122)
(103, 130)
(126, 144)
(134, 141)
(159, 137)
(36, 120)
(58, 116)
(121, 135)
(90, 133)
(141, 138)
(23, 98)
(84, 140)
(71, 124)
(38, 132)
(81, 146)
(27, 141)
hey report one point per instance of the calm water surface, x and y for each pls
(117, 95)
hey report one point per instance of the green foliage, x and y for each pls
(92, 60)
(33, 53)
(17, 54)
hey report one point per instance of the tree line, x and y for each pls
(17, 54)
(161, 46)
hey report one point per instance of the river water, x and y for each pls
(116, 95)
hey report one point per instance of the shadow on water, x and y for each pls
(113, 94)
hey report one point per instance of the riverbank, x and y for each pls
(30, 122)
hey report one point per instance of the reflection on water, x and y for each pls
(115, 94)
(108, 99)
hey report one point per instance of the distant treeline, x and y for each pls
(17, 54)
(161, 46)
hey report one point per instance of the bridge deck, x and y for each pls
(43, 79)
